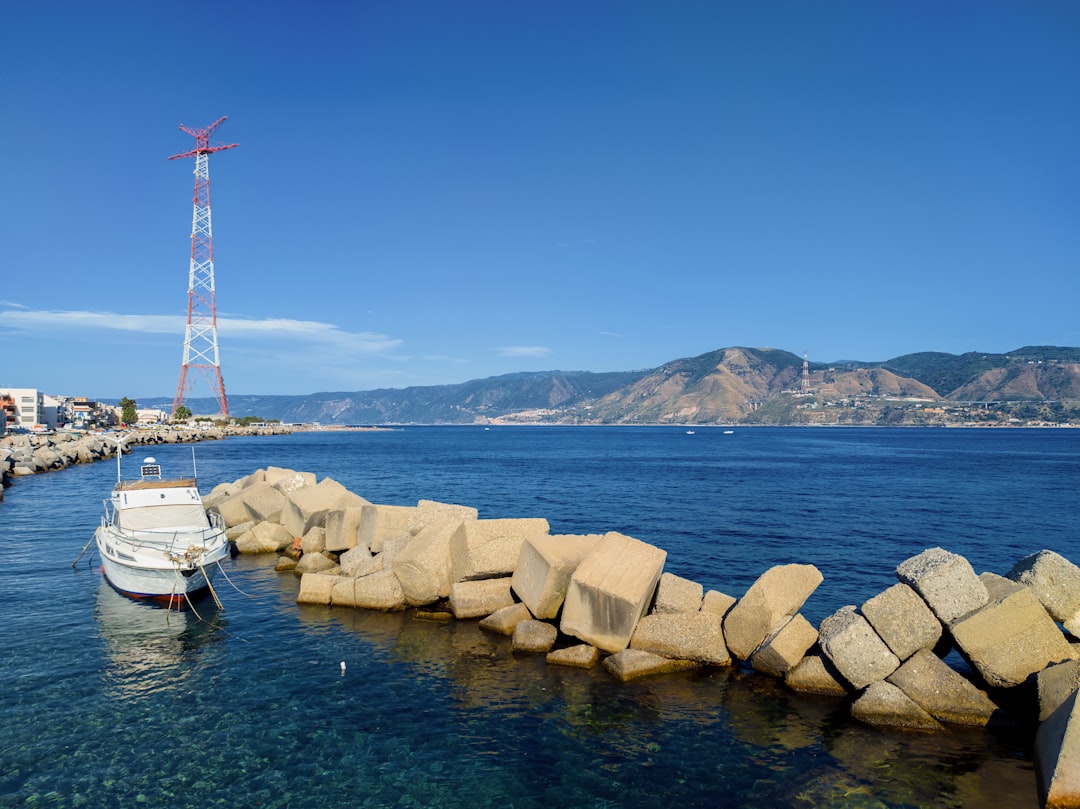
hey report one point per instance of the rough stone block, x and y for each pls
(379, 591)
(1056, 583)
(307, 506)
(233, 509)
(695, 636)
(353, 560)
(814, 674)
(882, 704)
(287, 480)
(1012, 636)
(903, 620)
(783, 650)
(942, 692)
(428, 511)
(265, 537)
(610, 591)
(536, 637)
(485, 549)
(676, 594)
(631, 664)
(1057, 756)
(1055, 684)
(264, 502)
(342, 528)
(544, 566)
(315, 588)
(502, 622)
(314, 563)
(423, 566)
(717, 602)
(580, 656)
(855, 649)
(379, 523)
(946, 582)
(777, 594)
(476, 599)
(314, 541)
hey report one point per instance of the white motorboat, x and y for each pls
(156, 539)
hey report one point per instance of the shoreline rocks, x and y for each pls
(584, 600)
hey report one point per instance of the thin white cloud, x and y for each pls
(524, 351)
(610, 334)
(12, 303)
(271, 329)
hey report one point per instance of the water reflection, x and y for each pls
(150, 648)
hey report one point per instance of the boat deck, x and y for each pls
(128, 485)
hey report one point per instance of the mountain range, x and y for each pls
(733, 385)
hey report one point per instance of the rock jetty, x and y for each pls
(32, 453)
(588, 600)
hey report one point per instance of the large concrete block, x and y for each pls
(683, 636)
(315, 588)
(855, 649)
(717, 602)
(946, 582)
(1012, 636)
(632, 664)
(315, 563)
(580, 656)
(287, 480)
(903, 620)
(342, 528)
(308, 506)
(536, 637)
(544, 566)
(314, 541)
(428, 511)
(233, 509)
(1056, 583)
(814, 674)
(1055, 684)
(265, 537)
(423, 566)
(882, 704)
(379, 591)
(942, 692)
(379, 523)
(1057, 756)
(777, 594)
(476, 599)
(676, 594)
(264, 502)
(783, 650)
(610, 590)
(353, 559)
(503, 622)
(485, 549)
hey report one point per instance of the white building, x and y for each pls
(34, 410)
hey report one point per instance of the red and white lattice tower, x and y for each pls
(805, 372)
(200, 337)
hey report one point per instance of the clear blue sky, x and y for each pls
(432, 192)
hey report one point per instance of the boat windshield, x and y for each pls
(153, 518)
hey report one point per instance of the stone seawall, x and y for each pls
(31, 453)
(588, 600)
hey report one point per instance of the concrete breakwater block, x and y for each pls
(380, 523)
(814, 674)
(1012, 636)
(264, 537)
(942, 692)
(536, 637)
(1057, 751)
(785, 648)
(946, 582)
(342, 528)
(632, 664)
(423, 566)
(610, 591)
(579, 656)
(883, 704)
(903, 620)
(477, 599)
(544, 566)
(1056, 582)
(855, 649)
(694, 636)
(308, 506)
(504, 621)
(777, 594)
(676, 594)
(484, 549)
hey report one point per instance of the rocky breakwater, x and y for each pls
(586, 600)
(31, 453)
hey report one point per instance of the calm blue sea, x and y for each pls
(113, 703)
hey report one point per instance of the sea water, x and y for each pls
(112, 702)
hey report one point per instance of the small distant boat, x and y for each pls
(156, 539)
(689, 432)
(728, 432)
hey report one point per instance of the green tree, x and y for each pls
(128, 412)
(183, 413)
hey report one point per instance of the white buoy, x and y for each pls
(343, 667)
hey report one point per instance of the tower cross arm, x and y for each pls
(203, 150)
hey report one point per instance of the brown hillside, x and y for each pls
(1030, 381)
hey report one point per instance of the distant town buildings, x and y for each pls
(31, 410)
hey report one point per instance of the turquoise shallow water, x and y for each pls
(109, 702)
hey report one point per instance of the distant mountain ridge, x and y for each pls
(728, 385)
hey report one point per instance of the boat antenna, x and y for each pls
(119, 449)
(194, 468)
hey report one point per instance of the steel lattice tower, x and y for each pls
(200, 337)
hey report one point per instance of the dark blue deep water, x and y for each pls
(113, 703)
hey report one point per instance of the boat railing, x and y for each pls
(166, 539)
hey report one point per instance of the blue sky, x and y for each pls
(432, 192)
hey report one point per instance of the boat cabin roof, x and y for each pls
(130, 485)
